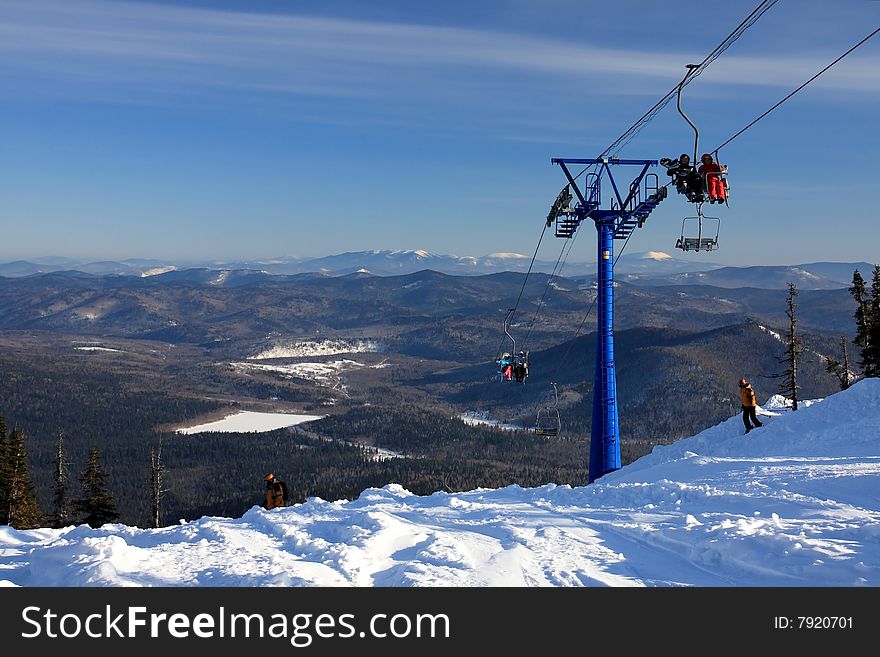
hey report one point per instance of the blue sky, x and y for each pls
(234, 130)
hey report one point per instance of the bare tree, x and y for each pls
(794, 347)
(157, 477)
(61, 505)
(840, 369)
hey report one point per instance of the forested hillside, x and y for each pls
(393, 362)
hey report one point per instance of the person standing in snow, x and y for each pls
(276, 492)
(749, 405)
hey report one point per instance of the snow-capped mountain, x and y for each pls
(657, 263)
(793, 503)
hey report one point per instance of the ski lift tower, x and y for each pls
(623, 215)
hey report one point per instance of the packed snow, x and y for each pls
(773, 334)
(325, 372)
(793, 503)
(156, 271)
(474, 418)
(93, 348)
(776, 336)
(250, 422)
(311, 348)
(383, 454)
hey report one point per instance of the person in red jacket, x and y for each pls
(711, 171)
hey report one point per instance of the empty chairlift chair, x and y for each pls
(699, 233)
(548, 422)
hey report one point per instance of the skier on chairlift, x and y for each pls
(521, 367)
(687, 180)
(506, 367)
(715, 184)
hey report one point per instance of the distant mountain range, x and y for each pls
(378, 263)
(429, 314)
(650, 268)
(813, 276)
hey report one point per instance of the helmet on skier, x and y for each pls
(743, 383)
(269, 477)
(705, 157)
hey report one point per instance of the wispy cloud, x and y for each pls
(93, 42)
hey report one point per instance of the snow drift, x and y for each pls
(794, 503)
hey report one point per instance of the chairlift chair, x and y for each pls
(692, 70)
(519, 360)
(548, 423)
(699, 233)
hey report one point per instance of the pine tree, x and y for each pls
(4, 473)
(859, 291)
(794, 347)
(840, 369)
(61, 506)
(871, 353)
(22, 510)
(96, 505)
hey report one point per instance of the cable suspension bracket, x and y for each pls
(628, 210)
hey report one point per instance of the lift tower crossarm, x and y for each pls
(573, 183)
(604, 161)
(635, 185)
(601, 160)
(624, 217)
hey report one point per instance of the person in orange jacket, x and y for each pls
(748, 405)
(276, 492)
(712, 171)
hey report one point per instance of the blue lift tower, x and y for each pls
(624, 214)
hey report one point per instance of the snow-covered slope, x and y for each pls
(794, 503)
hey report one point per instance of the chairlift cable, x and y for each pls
(528, 273)
(636, 127)
(633, 130)
(557, 272)
(797, 90)
(648, 116)
(512, 311)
